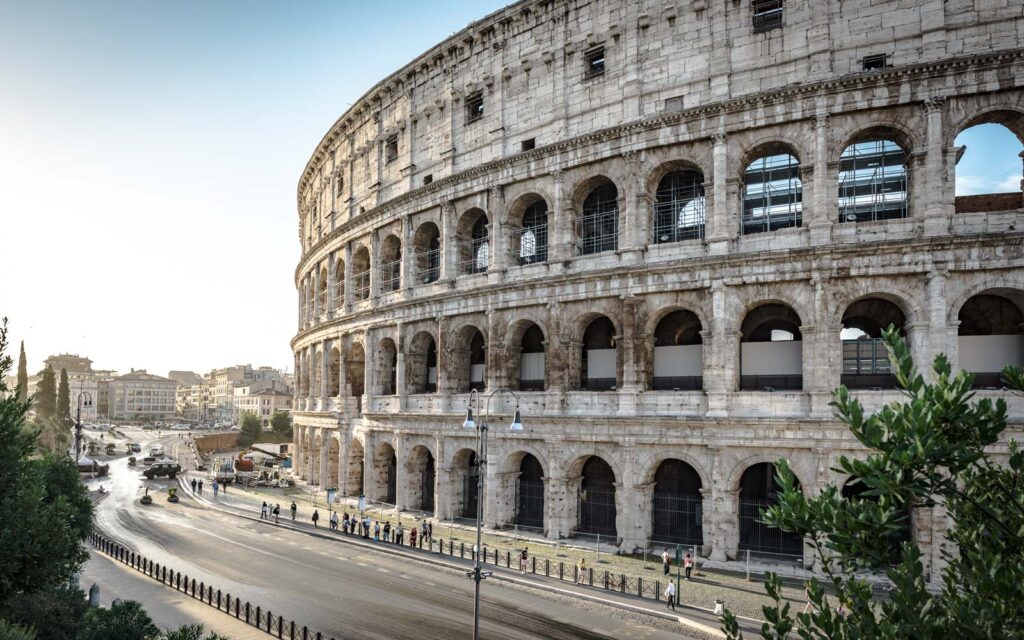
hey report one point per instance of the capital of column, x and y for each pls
(719, 138)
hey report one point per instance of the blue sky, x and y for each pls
(149, 153)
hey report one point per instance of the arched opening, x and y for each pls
(333, 462)
(597, 228)
(361, 275)
(355, 369)
(991, 336)
(385, 469)
(678, 353)
(387, 366)
(988, 163)
(427, 243)
(771, 351)
(477, 362)
(676, 508)
(759, 489)
(390, 264)
(872, 181)
(855, 489)
(474, 247)
(679, 207)
(339, 283)
(334, 373)
(596, 499)
(599, 361)
(421, 364)
(531, 241)
(465, 485)
(531, 360)
(530, 494)
(865, 357)
(421, 477)
(772, 191)
(322, 293)
(354, 479)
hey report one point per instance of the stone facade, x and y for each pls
(493, 216)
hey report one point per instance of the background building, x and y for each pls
(141, 396)
(263, 398)
(81, 378)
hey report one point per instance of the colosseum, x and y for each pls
(669, 230)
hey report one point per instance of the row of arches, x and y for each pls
(676, 496)
(771, 354)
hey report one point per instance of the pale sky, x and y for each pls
(149, 155)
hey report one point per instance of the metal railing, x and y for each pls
(428, 266)
(391, 276)
(257, 616)
(772, 383)
(361, 285)
(533, 244)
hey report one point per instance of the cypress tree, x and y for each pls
(22, 375)
(64, 400)
(46, 395)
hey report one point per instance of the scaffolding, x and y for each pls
(597, 228)
(772, 194)
(361, 285)
(679, 207)
(391, 275)
(428, 265)
(872, 182)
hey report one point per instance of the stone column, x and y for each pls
(823, 197)
(401, 389)
(318, 304)
(719, 373)
(375, 265)
(348, 276)
(325, 462)
(401, 472)
(722, 226)
(643, 494)
(449, 243)
(407, 275)
(937, 214)
(332, 276)
(559, 505)
(325, 391)
(938, 330)
(634, 219)
(560, 224)
(498, 229)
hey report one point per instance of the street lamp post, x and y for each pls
(82, 395)
(481, 429)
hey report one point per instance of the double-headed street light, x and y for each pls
(87, 397)
(481, 429)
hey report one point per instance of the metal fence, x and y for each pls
(257, 616)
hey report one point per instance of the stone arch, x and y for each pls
(597, 203)
(464, 487)
(665, 167)
(472, 233)
(906, 300)
(421, 473)
(990, 335)
(526, 355)
(421, 363)
(650, 460)
(355, 369)
(677, 503)
(354, 462)
(675, 191)
(865, 358)
(890, 129)
(736, 472)
(467, 365)
(385, 474)
(1008, 114)
(360, 286)
(528, 217)
(596, 483)
(390, 260)
(386, 367)
(758, 489)
(427, 253)
(334, 372)
(600, 354)
(771, 189)
(529, 491)
(874, 166)
(771, 349)
(322, 293)
(339, 282)
(676, 351)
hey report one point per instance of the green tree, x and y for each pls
(191, 632)
(281, 423)
(934, 449)
(43, 507)
(54, 614)
(11, 631)
(22, 388)
(46, 395)
(251, 428)
(64, 400)
(125, 620)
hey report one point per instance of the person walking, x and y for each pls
(263, 511)
(688, 565)
(193, 485)
(430, 532)
(295, 510)
(523, 560)
(334, 521)
(277, 513)
(399, 534)
(666, 562)
(670, 595)
(224, 487)
(376, 531)
(581, 571)
(412, 537)
(316, 518)
(344, 522)
(387, 531)
(216, 486)
(200, 487)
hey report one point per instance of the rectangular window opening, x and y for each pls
(530, 144)
(767, 15)
(874, 62)
(391, 149)
(594, 60)
(427, 179)
(475, 107)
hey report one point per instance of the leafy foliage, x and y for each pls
(281, 423)
(125, 620)
(12, 631)
(64, 400)
(22, 383)
(54, 614)
(46, 395)
(191, 632)
(251, 428)
(933, 450)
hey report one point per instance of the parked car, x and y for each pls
(135, 447)
(164, 468)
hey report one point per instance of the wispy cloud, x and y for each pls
(967, 185)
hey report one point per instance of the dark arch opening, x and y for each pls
(599, 361)
(759, 489)
(598, 225)
(477, 362)
(427, 254)
(679, 207)
(677, 508)
(678, 353)
(597, 499)
(532, 360)
(865, 357)
(872, 181)
(533, 237)
(990, 337)
(771, 353)
(530, 494)
(772, 192)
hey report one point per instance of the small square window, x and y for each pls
(529, 144)
(475, 107)
(873, 63)
(767, 15)
(594, 60)
(427, 179)
(391, 149)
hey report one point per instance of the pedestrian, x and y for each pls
(224, 487)
(399, 534)
(387, 531)
(316, 518)
(334, 521)
(294, 510)
(523, 558)
(581, 571)
(688, 565)
(670, 595)
(193, 485)
(263, 511)
(344, 522)
(666, 562)
(200, 486)
(430, 532)
(423, 532)
(376, 531)
(412, 537)
(277, 513)
(216, 487)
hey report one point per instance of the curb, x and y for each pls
(399, 551)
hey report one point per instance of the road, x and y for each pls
(341, 590)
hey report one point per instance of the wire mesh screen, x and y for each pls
(872, 182)
(428, 265)
(533, 238)
(767, 15)
(772, 194)
(361, 284)
(530, 504)
(597, 511)
(679, 207)
(391, 275)
(598, 224)
(470, 492)
(759, 537)
(475, 255)
(677, 519)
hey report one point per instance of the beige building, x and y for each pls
(671, 229)
(81, 380)
(262, 398)
(141, 396)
